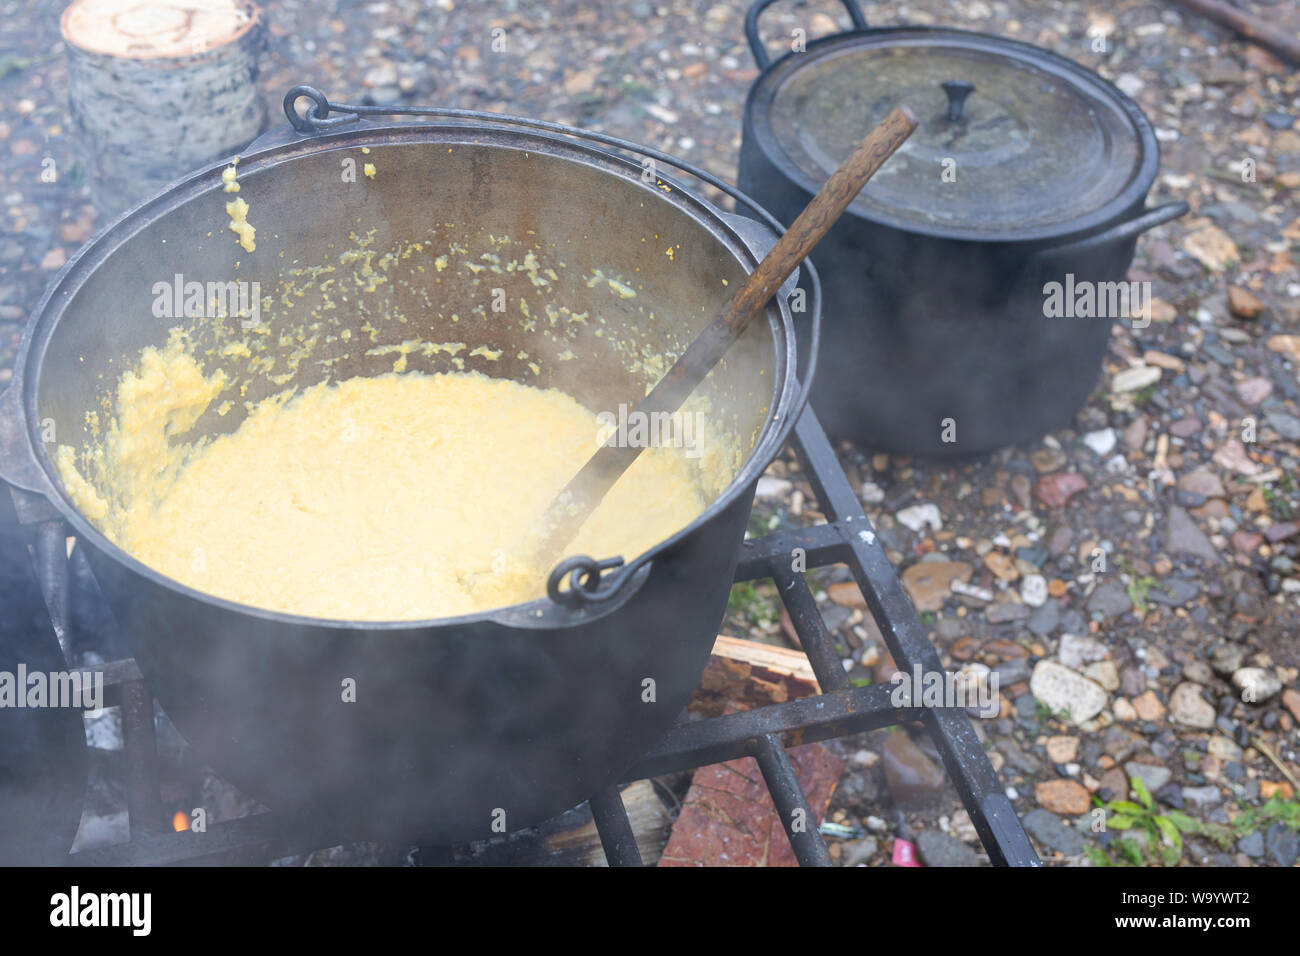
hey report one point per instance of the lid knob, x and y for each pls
(957, 91)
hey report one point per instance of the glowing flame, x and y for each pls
(180, 821)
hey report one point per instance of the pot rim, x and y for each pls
(757, 116)
(538, 613)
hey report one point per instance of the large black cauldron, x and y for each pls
(506, 717)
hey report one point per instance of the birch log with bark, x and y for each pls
(160, 88)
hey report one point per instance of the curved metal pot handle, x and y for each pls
(1129, 229)
(756, 42)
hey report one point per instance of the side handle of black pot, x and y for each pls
(1116, 236)
(761, 57)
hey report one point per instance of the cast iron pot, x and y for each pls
(464, 725)
(1026, 168)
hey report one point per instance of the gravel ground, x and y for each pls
(1140, 568)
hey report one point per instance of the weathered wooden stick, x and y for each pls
(160, 88)
(586, 490)
(1248, 25)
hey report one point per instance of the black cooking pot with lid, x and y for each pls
(1026, 169)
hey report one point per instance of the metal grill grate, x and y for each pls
(764, 733)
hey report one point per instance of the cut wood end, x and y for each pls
(156, 29)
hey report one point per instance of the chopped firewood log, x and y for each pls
(752, 674)
(159, 88)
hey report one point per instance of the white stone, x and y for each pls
(1075, 652)
(1066, 692)
(1101, 442)
(1131, 379)
(769, 487)
(872, 493)
(920, 517)
(1033, 590)
(1130, 83)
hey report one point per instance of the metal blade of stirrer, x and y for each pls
(573, 505)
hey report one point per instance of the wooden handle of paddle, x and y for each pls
(817, 218)
(581, 495)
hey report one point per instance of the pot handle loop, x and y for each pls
(1129, 229)
(588, 583)
(756, 42)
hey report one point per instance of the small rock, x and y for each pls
(1152, 775)
(1198, 672)
(1184, 537)
(1148, 707)
(1287, 345)
(1062, 749)
(920, 517)
(911, 776)
(769, 487)
(858, 851)
(1281, 531)
(1252, 844)
(1075, 652)
(1068, 693)
(1033, 590)
(1232, 455)
(1226, 659)
(939, 849)
(1256, 684)
(929, 583)
(1048, 459)
(1211, 247)
(1202, 481)
(1123, 710)
(1223, 748)
(1101, 442)
(1046, 619)
(1291, 701)
(1189, 708)
(1063, 796)
(1132, 379)
(1252, 391)
(1242, 303)
(1113, 785)
(1006, 611)
(1283, 844)
(1135, 435)
(1055, 491)
(1051, 833)
(1173, 592)
(1207, 796)
(1002, 565)
(1110, 600)
(1104, 673)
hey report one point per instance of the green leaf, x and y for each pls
(1097, 856)
(1183, 822)
(1141, 790)
(1170, 833)
(1130, 851)
(1124, 806)
(1119, 822)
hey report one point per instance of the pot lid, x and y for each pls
(1013, 142)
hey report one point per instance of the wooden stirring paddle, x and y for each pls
(588, 487)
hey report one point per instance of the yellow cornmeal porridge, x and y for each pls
(391, 498)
